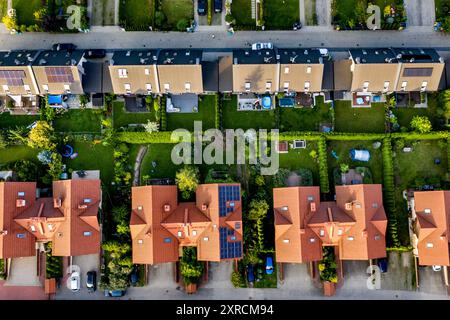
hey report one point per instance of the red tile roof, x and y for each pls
(432, 226)
(356, 223)
(69, 219)
(160, 225)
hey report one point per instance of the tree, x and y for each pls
(190, 268)
(10, 22)
(42, 136)
(421, 124)
(258, 209)
(187, 180)
(344, 167)
(3, 143)
(182, 25)
(18, 135)
(151, 126)
(40, 14)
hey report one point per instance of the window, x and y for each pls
(167, 240)
(50, 227)
(123, 73)
(286, 240)
(307, 85)
(247, 86)
(140, 241)
(148, 86)
(404, 84)
(386, 85)
(375, 205)
(21, 235)
(147, 72)
(286, 85)
(377, 237)
(286, 70)
(205, 239)
(366, 85)
(310, 198)
(322, 232)
(180, 234)
(5, 87)
(340, 232)
(127, 87)
(233, 238)
(417, 72)
(45, 86)
(33, 228)
(424, 85)
(87, 233)
(87, 200)
(194, 232)
(350, 238)
(27, 88)
(187, 87)
(268, 85)
(430, 245)
(312, 240)
(427, 211)
(67, 87)
(166, 86)
(21, 194)
(308, 69)
(237, 225)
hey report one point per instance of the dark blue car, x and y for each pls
(250, 274)
(383, 265)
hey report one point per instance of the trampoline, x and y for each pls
(266, 102)
(67, 151)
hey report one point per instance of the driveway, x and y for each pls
(23, 272)
(21, 292)
(297, 277)
(323, 11)
(219, 275)
(162, 276)
(431, 281)
(420, 12)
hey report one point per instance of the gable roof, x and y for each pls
(356, 222)
(160, 225)
(431, 226)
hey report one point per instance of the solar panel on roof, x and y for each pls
(229, 250)
(227, 194)
(59, 75)
(13, 78)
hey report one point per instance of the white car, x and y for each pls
(262, 45)
(437, 268)
(75, 281)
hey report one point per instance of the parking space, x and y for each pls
(431, 281)
(219, 275)
(162, 276)
(296, 276)
(401, 272)
(23, 272)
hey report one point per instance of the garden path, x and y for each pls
(137, 165)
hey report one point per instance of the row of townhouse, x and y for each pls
(354, 223)
(27, 73)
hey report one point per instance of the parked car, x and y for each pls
(297, 26)
(116, 293)
(75, 281)
(218, 5)
(383, 265)
(269, 265)
(437, 268)
(134, 276)
(96, 54)
(64, 46)
(250, 274)
(91, 281)
(262, 45)
(202, 7)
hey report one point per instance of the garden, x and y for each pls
(442, 15)
(306, 119)
(123, 118)
(349, 119)
(205, 114)
(241, 11)
(136, 15)
(79, 121)
(352, 15)
(281, 15)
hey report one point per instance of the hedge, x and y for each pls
(218, 112)
(162, 107)
(389, 192)
(422, 136)
(448, 155)
(323, 165)
(145, 137)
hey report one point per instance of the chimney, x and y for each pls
(312, 206)
(166, 207)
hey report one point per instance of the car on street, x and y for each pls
(382, 265)
(262, 45)
(437, 268)
(75, 281)
(91, 281)
(218, 5)
(115, 293)
(250, 274)
(202, 7)
(297, 26)
(64, 46)
(269, 265)
(95, 54)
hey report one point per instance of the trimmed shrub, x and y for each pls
(162, 107)
(218, 112)
(323, 165)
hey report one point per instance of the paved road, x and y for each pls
(307, 37)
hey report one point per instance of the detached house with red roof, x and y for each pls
(160, 225)
(431, 222)
(68, 219)
(355, 223)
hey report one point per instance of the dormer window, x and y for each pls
(286, 240)
(45, 87)
(247, 86)
(187, 87)
(147, 72)
(180, 234)
(286, 70)
(123, 73)
(268, 86)
(308, 69)
(430, 245)
(350, 238)
(87, 233)
(21, 194)
(322, 232)
(365, 86)
(33, 228)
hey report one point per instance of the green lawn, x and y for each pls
(242, 12)
(305, 119)
(25, 10)
(93, 157)
(405, 115)
(15, 153)
(8, 121)
(234, 119)
(161, 155)
(439, 4)
(122, 118)
(136, 15)
(281, 14)
(206, 114)
(3, 8)
(300, 159)
(79, 120)
(348, 119)
(176, 10)
(342, 149)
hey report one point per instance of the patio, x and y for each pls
(183, 103)
(411, 99)
(19, 105)
(253, 102)
(135, 104)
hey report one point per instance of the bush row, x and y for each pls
(145, 137)
(218, 112)
(323, 166)
(389, 192)
(162, 108)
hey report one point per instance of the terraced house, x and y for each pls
(68, 219)
(355, 224)
(161, 226)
